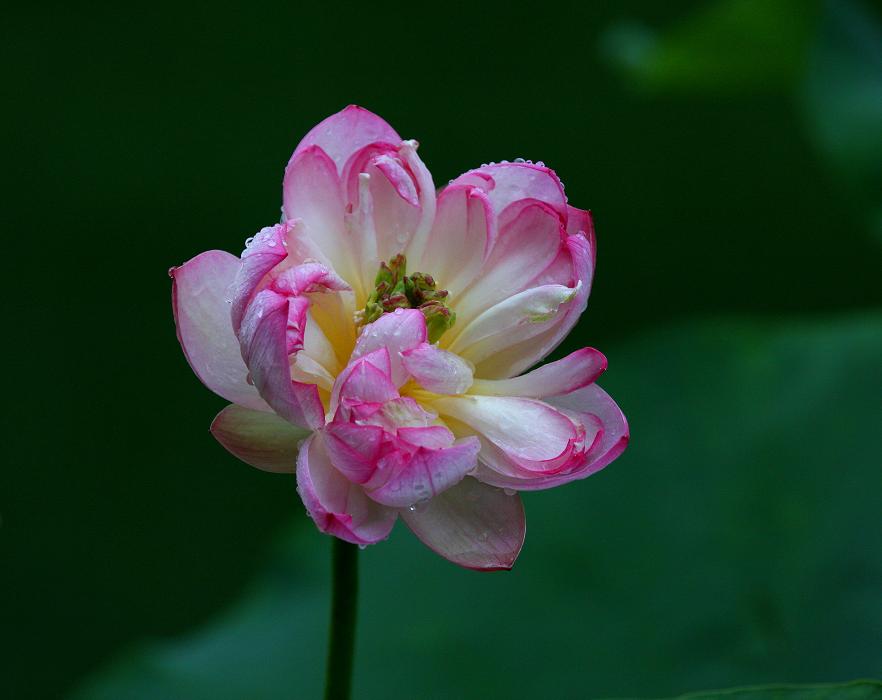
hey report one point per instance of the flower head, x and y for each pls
(374, 342)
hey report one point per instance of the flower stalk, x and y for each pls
(344, 604)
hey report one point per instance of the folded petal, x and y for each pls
(530, 239)
(461, 237)
(512, 321)
(579, 221)
(261, 439)
(471, 524)
(398, 331)
(201, 290)
(263, 252)
(346, 132)
(508, 183)
(574, 371)
(412, 478)
(337, 506)
(266, 343)
(437, 370)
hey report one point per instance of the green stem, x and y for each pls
(341, 646)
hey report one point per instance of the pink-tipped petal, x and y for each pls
(437, 370)
(579, 221)
(266, 344)
(424, 474)
(474, 525)
(509, 183)
(263, 440)
(573, 372)
(398, 331)
(263, 252)
(529, 241)
(460, 239)
(337, 506)
(396, 205)
(519, 318)
(346, 132)
(201, 290)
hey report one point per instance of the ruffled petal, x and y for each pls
(471, 524)
(512, 321)
(437, 370)
(337, 506)
(271, 323)
(263, 440)
(574, 371)
(508, 183)
(201, 290)
(411, 478)
(398, 331)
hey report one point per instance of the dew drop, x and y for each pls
(509, 492)
(362, 546)
(519, 160)
(249, 241)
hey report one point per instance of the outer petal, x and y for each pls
(264, 338)
(201, 289)
(507, 183)
(424, 474)
(573, 372)
(263, 440)
(437, 370)
(337, 506)
(347, 131)
(472, 524)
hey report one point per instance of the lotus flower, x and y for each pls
(375, 343)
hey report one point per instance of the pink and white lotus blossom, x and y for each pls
(375, 343)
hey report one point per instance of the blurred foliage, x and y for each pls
(725, 46)
(828, 54)
(739, 540)
(857, 690)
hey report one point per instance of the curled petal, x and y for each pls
(354, 449)
(471, 524)
(398, 331)
(262, 253)
(266, 341)
(201, 290)
(346, 132)
(509, 183)
(261, 439)
(437, 370)
(579, 221)
(518, 318)
(572, 372)
(411, 478)
(337, 506)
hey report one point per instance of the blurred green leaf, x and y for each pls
(728, 46)
(735, 542)
(856, 690)
(842, 96)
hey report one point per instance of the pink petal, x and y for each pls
(526, 429)
(573, 372)
(529, 240)
(472, 524)
(437, 370)
(346, 132)
(313, 194)
(367, 383)
(263, 440)
(398, 331)
(379, 358)
(354, 449)
(396, 205)
(461, 238)
(423, 474)
(263, 252)
(579, 221)
(508, 183)
(527, 349)
(265, 342)
(337, 506)
(512, 321)
(201, 290)
(426, 188)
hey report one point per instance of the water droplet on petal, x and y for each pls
(509, 492)
(519, 160)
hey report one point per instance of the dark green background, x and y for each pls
(738, 300)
